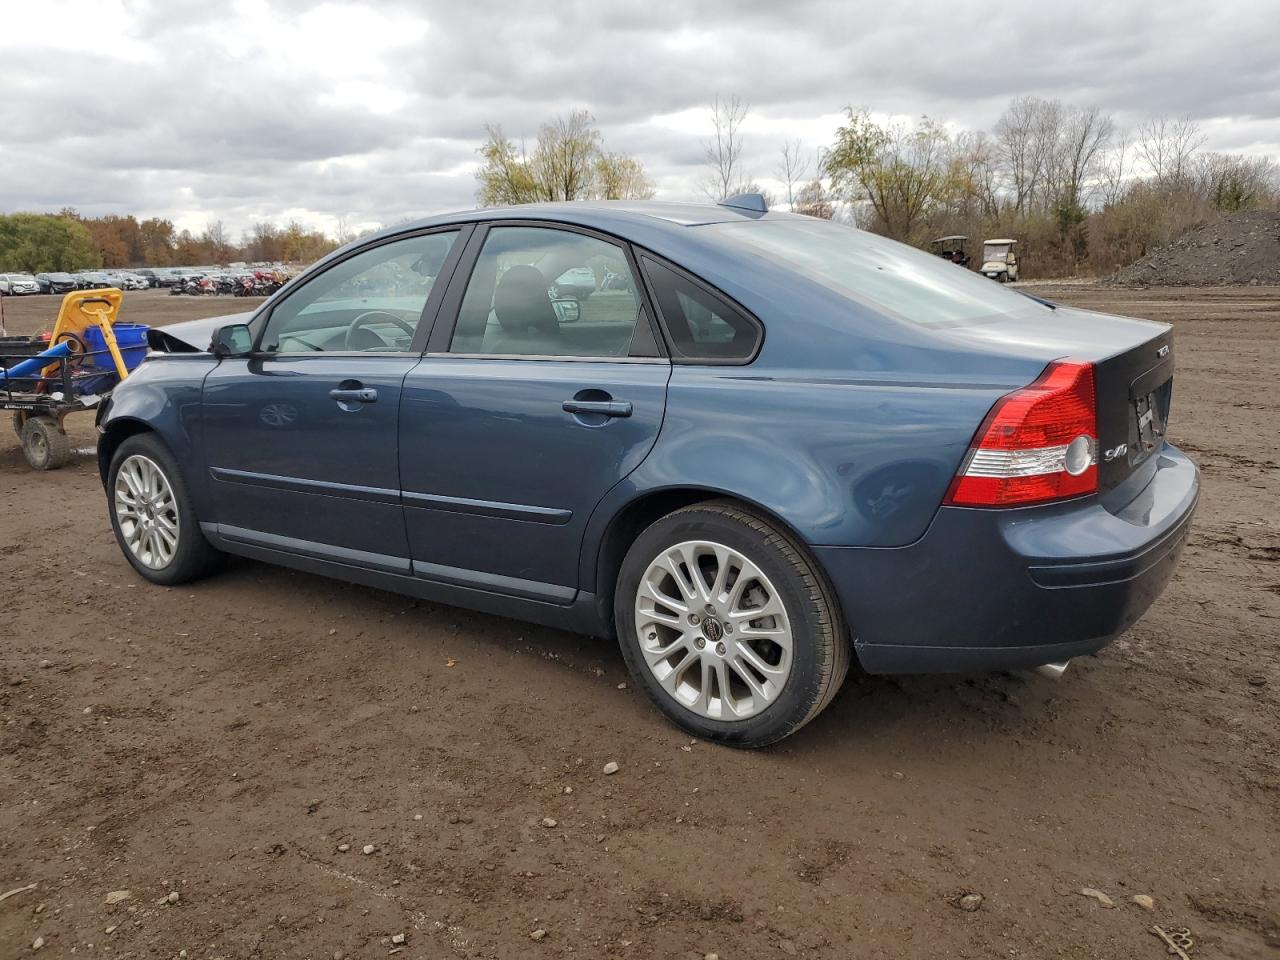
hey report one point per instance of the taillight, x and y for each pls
(1039, 443)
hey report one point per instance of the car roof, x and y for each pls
(621, 217)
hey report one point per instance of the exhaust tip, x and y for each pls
(1052, 671)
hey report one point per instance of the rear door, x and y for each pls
(542, 388)
(300, 438)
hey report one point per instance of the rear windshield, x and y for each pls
(892, 277)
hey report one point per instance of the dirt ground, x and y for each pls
(236, 744)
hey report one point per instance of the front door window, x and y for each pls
(369, 303)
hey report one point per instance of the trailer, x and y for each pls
(43, 380)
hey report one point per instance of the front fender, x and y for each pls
(162, 395)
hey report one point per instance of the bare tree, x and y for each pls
(813, 200)
(1233, 183)
(1081, 138)
(1016, 134)
(1113, 181)
(343, 234)
(976, 170)
(1166, 146)
(792, 169)
(218, 241)
(723, 152)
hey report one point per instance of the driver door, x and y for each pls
(300, 438)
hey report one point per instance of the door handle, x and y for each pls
(361, 395)
(608, 408)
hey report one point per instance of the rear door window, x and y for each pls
(700, 324)
(545, 292)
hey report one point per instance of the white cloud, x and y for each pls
(372, 111)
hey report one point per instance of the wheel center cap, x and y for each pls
(712, 630)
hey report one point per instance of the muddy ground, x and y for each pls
(239, 742)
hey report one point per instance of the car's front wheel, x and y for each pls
(728, 626)
(152, 514)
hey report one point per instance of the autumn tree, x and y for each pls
(896, 170)
(620, 177)
(263, 243)
(156, 237)
(568, 162)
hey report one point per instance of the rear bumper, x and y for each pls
(1009, 589)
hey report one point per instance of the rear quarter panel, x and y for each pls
(840, 460)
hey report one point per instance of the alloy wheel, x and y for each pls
(713, 630)
(147, 512)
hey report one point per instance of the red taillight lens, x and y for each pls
(1039, 443)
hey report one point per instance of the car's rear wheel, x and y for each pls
(152, 514)
(728, 626)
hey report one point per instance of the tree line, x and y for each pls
(65, 241)
(1079, 193)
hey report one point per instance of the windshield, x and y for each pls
(998, 254)
(890, 276)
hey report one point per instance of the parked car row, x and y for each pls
(256, 280)
(22, 284)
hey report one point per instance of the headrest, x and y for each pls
(521, 302)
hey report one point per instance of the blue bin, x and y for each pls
(131, 338)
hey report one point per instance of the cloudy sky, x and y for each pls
(372, 111)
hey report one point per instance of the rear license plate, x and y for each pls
(1151, 411)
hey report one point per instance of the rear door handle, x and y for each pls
(361, 395)
(609, 408)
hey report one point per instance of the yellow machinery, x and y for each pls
(82, 309)
(43, 381)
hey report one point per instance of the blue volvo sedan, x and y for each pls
(751, 446)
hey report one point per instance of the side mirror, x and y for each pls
(233, 340)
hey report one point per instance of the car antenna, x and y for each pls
(754, 202)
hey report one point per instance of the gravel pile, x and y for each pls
(1243, 248)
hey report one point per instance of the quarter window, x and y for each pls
(371, 302)
(543, 292)
(700, 324)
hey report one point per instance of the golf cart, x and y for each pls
(999, 262)
(951, 248)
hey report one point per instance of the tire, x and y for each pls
(45, 445)
(190, 555)
(768, 561)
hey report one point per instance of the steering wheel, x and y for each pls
(358, 324)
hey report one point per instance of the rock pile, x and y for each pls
(1243, 248)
